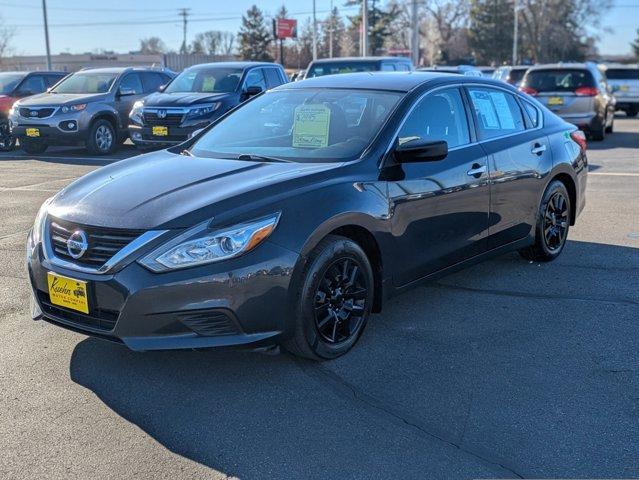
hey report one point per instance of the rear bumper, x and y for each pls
(588, 121)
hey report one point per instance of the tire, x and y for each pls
(102, 138)
(334, 300)
(553, 224)
(33, 147)
(7, 142)
(599, 134)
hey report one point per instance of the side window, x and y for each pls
(533, 113)
(132, 81)
(403, 67)
(34, 84)
(255, 78)
(388, 67)
(438, 116)
(272, 77)
(497, 112)
(153, 81)
(51, 80)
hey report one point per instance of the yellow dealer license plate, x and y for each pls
(33, 132)
(160, 131)
(68, 292)
(624, 88)
(555, 101)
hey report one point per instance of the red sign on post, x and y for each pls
(285, 28)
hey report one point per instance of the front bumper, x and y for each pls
(143, 135)
(53, 130)
(243, 301)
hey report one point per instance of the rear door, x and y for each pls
(518, 158)
(441, 207)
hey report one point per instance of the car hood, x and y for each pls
(183, 99)
(54, 99)
(167, 190)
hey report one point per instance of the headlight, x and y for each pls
(202, 110)
(13, 109)
(136, 112)
(199, 245)
(38, 224)
(73, 108)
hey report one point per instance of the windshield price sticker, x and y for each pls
(310, 129)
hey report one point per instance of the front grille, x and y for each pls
(209, 323)
(103, 243)
(39, 112)
(98, 318)
(171, 119)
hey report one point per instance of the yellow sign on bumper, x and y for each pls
(555, 101)
(32, 132)
(160, 131)
(68, 292)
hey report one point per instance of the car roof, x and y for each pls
(123, 69)
(360, 59)
(389, 81)
(234, 65)
(561, 66)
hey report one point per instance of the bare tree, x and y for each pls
(449, 17)
(6, 35)
(152, 45)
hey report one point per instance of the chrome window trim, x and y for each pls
(115, 260)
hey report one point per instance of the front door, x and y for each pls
(440, 208)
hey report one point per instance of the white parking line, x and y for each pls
(615, 174)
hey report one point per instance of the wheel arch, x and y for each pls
(571, 186)
(108, 116)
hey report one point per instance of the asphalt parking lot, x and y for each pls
(509, 369)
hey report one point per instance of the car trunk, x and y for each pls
(565, 91)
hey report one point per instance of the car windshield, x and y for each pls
(622, 73)
(333, 68)
(559, 80)
(301, 125)
(206, 80)
(9, 81)
(86, 82)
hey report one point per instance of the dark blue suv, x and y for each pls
(197, 97)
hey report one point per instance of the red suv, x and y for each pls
(16, 85)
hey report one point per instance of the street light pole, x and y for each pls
(414, 44)
(515, 32)
(364, 28)
(46, 33)
(314, 32)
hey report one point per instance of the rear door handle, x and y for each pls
(538, 149)
(476, 170)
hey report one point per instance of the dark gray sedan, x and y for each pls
(292, 218)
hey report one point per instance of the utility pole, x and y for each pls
(364, 28)
(46, 33)
(184, 13)
(330, 33)
(515, 32)
(414, 44)
(314, 32)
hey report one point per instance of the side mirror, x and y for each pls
(253, 90)
(126, 91)
(421, 151)
(161, 88)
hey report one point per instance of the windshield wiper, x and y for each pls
(262, 158)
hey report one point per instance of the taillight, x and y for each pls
(579, 137)
(528, 90)
(586, 92)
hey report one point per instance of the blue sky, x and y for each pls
(71, 28)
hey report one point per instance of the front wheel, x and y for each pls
(334, 300)
(553, 223)
(7, 141)
(102, 138)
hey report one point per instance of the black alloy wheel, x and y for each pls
(340, 301)
(7, 142)
(556, 222)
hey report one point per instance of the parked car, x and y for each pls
(16, 85)
(332, 66)
(511, 74)
(289, 222)
(467, 70)
(577, 92)
(197, 97)
(90, 107)
(297, 76)
(487, 71)
(624, 80)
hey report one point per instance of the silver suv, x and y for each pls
(90, 107)
(577, 92)
(624, 80)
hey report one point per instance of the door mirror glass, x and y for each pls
(126, 91)
(253, 90)
(421, 151)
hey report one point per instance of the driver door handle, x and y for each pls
(476, 170)
(538, 149)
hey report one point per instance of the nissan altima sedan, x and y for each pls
(295, 216)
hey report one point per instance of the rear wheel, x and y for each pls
(553, 223)
(335, 300)
(102, 138)
(33, 147)
(598, 133)
(7, 142)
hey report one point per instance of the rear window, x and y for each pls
(559, 80)
(341, 67)
(622, 73)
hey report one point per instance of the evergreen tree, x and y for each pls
(635, 45)
(491, 30)
(333, 31)
(255, 36)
